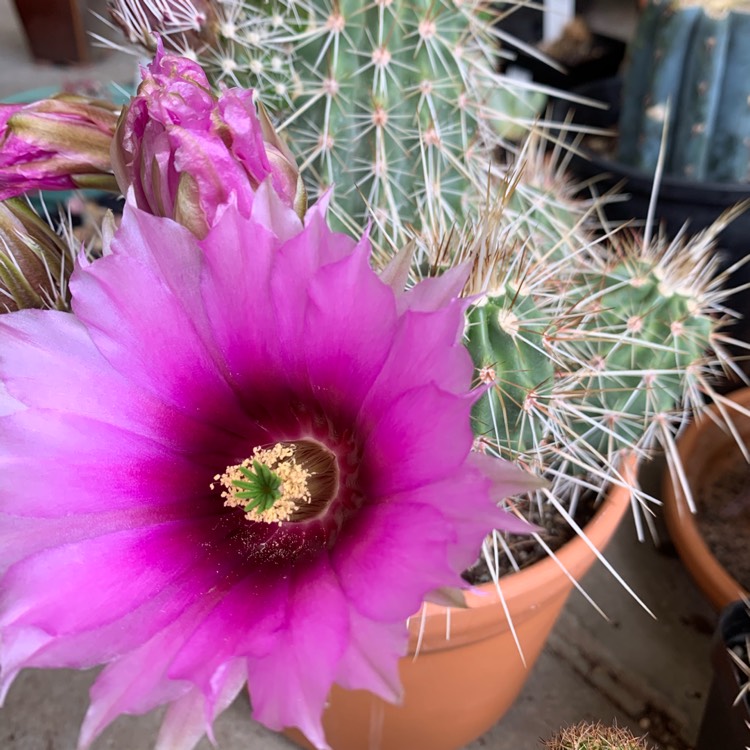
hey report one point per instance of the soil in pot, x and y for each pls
(526, 550)
(724, 515)
(713, 543)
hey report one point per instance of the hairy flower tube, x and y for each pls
(60, 143)
(240, 459)
(186, 152)
(32, 259)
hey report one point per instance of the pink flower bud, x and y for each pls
(59, 143)
(186, 153)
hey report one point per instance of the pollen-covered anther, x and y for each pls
(270, 486)
(381, 56)
(288, 482)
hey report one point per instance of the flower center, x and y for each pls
(290, 481)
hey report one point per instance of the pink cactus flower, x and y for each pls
(186, 153)
(61, 143)
(241, 459)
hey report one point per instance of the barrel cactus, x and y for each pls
(398, 105)
(590, 354)
(690, 58)
(586, 736)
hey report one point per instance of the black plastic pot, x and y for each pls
(605, 60)
(681, 201)
(724, 725)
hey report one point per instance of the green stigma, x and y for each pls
(262, 488)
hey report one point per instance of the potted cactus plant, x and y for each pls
(587, 349)
(585, 736)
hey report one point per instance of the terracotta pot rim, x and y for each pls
(710, 575)
(547, 573)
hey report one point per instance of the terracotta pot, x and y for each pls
(706, 450)
(459, 686)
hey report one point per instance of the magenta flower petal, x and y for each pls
(192, 715)
(397, 440)
(431, 343)
(134, 684)
(184, 358)
(380, 546)
(139, 471)
(305, 666)
(371, 661)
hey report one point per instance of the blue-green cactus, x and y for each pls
(692, 59)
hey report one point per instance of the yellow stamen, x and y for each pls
(294, 483)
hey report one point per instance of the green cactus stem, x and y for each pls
(693, 59)
(590, 354)
(585, 736)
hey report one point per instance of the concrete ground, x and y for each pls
(650, 675)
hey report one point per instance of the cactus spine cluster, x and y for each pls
(586, 736)
(690, 58)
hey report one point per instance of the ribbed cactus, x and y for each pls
(692, 58)
(588, 354)
(396, 103)
(587, 736)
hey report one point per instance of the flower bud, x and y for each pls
(185, 152)
(61, 143)
(32, 270)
